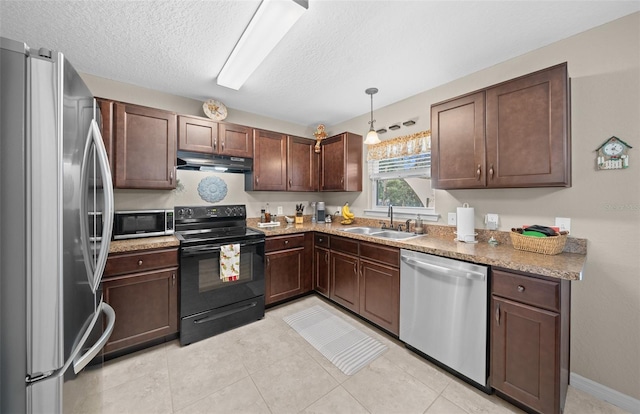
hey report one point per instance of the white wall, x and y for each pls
(604, 206)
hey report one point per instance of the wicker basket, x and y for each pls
(544, 245)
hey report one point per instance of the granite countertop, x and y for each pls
(146, 243)
(439, 241)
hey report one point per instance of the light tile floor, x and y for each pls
(266, 367)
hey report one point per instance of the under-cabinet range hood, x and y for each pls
(188, 160)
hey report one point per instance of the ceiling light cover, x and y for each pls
(372, 136)
(269, 25)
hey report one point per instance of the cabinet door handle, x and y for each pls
(355, 268)
(140, 262)
(491, 171)
(171, 176)
(326, 257)
(215, 145)
(267, 260)
(341, 180)
(173, 279)
(520, 288)
(478, 172)
(222, 144)
(290, 182)
(257, 180)
(498, 314)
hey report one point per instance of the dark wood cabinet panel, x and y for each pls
(344, 284)
(145, 147)
(341, 163)
(321, 274)
(525, 355)
(529, 350)
(510, 135)
(288, 266)
(235, 140)
(142, 288)
(302, 164)
(528, 142)
(146, 307)
(269, 161)
(380, 295)
(284, 274)
(458, 143)
(197, 134)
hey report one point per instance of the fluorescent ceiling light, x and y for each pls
(268, 26)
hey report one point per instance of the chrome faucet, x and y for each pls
(390, 214)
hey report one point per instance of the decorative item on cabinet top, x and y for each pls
(214, 109)
(320, 134)
(612, 154)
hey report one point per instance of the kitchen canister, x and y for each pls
(465, 221)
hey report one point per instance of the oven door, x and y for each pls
(202, 288)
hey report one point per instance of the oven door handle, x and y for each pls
(194, 250)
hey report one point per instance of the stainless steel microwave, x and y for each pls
(142, 223)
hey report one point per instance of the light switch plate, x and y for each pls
(280, 210)
(451, 219)
(564, 223)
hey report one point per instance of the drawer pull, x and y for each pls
(139, 262)
(286, 242)
(320, 240)
(498, 314)
(520, 288)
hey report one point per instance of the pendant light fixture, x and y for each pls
(372, 136)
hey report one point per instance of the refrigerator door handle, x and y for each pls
(95, 270)
(107, 184)
(82, 360)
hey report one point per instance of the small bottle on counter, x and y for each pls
(262, 216)
(267, 215)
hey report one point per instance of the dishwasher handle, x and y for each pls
(466, 274)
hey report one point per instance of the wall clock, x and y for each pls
(613, 154)
(215, 110)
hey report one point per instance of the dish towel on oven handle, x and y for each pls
(230, 262)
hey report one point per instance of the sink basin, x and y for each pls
(394, 235)
(383, 234)
(362, 230)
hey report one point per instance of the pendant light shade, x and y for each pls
(372, 136)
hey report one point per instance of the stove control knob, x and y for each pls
(181, 213)
(229, 212)
(189, 212)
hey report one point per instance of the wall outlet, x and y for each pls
(451, 219)
(564, 223)
(280, 210)
(491, 220)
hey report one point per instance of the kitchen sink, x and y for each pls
(362, 230)
(383, 234)
(394, 235)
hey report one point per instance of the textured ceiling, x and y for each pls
(319, 71)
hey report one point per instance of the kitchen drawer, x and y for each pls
(530, 290)
(140, 261)
(387, 255)
(344, 245)
(283, 242)
(321, 240)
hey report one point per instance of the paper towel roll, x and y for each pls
(465, 219)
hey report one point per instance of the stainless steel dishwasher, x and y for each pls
(443, 312)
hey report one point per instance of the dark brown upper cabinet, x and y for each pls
(144, 146)
(510, 135)
(302, 164)
(269, 162)
(341, 163)
(203, 135)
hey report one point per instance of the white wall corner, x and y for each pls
(605, 393)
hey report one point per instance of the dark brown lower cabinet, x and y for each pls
(344, 287)
(143, 295)
(288, 267)
(530, 340)
(380, 295)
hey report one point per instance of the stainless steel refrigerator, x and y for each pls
(56, 214)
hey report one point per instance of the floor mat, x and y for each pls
(345, 346)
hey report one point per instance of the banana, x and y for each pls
(346, 221)
(346, 212)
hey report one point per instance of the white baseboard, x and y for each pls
(605, 393)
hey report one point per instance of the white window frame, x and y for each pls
(426, 213)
